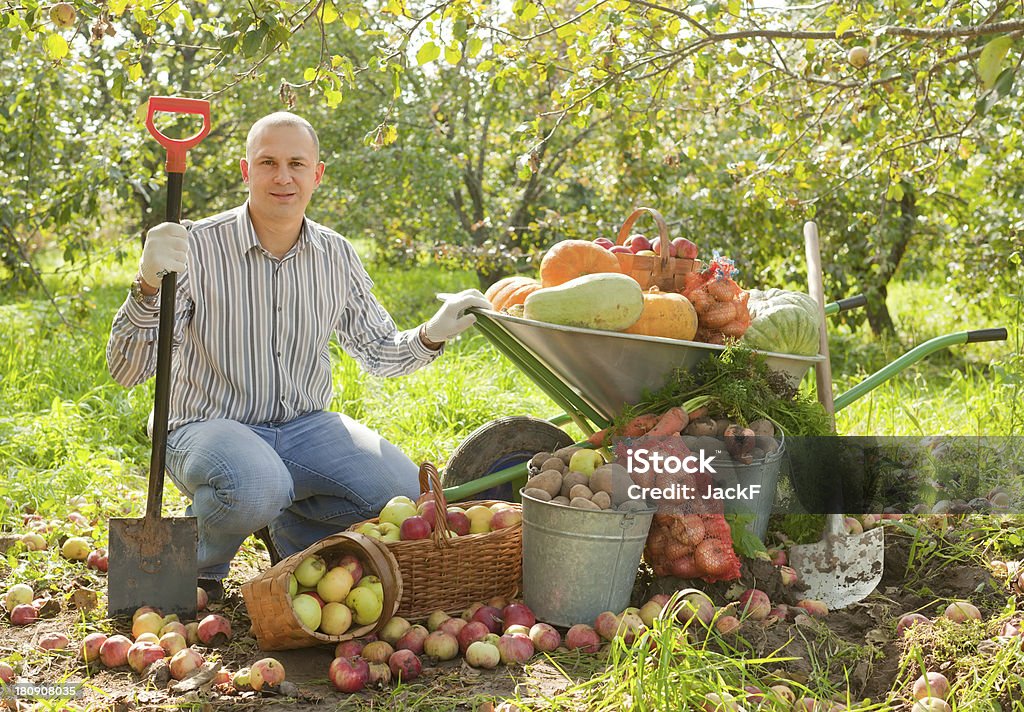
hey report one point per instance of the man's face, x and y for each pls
(282, 172)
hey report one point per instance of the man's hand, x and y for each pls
(165, 251)
(451, 319)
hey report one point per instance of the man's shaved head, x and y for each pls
(280, 118)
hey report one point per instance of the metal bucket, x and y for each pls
(578, 563)
(762, 473)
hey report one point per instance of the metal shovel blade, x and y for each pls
(152, 562)
(840, 569)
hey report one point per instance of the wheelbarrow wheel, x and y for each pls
(499, 444)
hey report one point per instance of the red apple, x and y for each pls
(960, 611)
(453, 626)
(468, 614)
(582, 637)
(428, 510)
(813, 607)
(637, 242)
(656, 246)
(470, 633)
(413, 639)
(354, 566)
(931, 684)
(349, 648)
(6, 673)
(604, 242)
(405, 666)
(910, 620)
(349, 674)
(114, 651)
(24, 614)
(414, 527)
(685, 249)
(214, 630)
(459, 523)
(142, 655)
(517, 614)
(441, 646)
(53, 641)
(90, 650)
(515, 649)
(727, 624)
(606, 624)
(490, 617)
(266, 672)
(755, 604)
(620, 249)
(505, 518)
(545, 638)
(97, 559)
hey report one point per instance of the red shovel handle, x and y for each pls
(178, 148)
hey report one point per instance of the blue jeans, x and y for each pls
(306, 479)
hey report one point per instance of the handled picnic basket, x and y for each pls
(663, 271)
(450, 573)
(270, 607)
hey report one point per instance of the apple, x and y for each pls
(435, 619)
(349, 648)
(479, 519)
(517, 614)
(374, 584)
(379, 651)
(515, 648)
(91, 645)
(413, 639)
(307, 610)
(931, 704)
(405, 666)
(585, 461)
(393, 629)
(620, 249)
(458, 522)
(33, 541)
(490, 617)
(649, 612)
(645, 253)
(240, 680)
(172, 642)
(335, 618)
(453, 625)
(144, 610)
(192, 633)
(582, 637)
(352, 564)
(203, 598)
(755, 604)
(910, 620)
(727, 624)
(214, 630)
(97, 559)
(62, 15)
(931, 684)
(6, 673)
(24, 614)
(428, 510)
(368, 529)
(471, 633)
(505, 518)
(390, 532)
(545, 638)
(636, 243)
(349, 674)
(812, 607)
(174, 627)
(310, 570)
(114, 651)
(266, 672)
(380, 675)
(852, 525)
(315, 596)
(604, 242)
(142, 655)
(397, 511)
(53, 641)
(414, 527)
(18, 594)
(630, 627)
(656, 247)
(366, 607)
(685, 249)
(960, 611)
(441, 646)
(334, 586)
(858, 56)
(75, 548)
(606, 624)
(148, 638)
(483, 655)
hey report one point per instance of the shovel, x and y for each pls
(841, 569)
(152, 561)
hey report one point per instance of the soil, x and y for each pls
(854, 650)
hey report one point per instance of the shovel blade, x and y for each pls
(152, 562)
(841, 570)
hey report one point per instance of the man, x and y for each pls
(261, 288)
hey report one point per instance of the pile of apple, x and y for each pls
(638, 244)
(401, 519)
(330, 597)
(74, 548)
(579, 478)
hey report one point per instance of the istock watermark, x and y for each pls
(42, 690)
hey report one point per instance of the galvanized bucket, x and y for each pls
(763, 474)
(578, 563)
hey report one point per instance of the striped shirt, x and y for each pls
(251, 332)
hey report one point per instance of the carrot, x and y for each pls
(671, 422)
(697, 413)
(597, 439)
(640, 425)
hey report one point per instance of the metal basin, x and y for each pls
(611, 370)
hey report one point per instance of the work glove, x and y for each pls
(451, 319)
(165, 251)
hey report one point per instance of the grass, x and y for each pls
(68, 430)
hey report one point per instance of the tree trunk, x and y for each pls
(877, 288)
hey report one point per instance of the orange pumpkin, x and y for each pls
(570, 259)
(666, 314)
(519, 295)
(500, 297)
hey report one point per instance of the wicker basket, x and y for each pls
(451, 573)
(664, 272)
(269, 605)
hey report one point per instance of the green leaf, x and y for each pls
(327, 13)
(309, 74)
(992, 56)
(333, 97)
(56, 47)
(529, 12)
(847, 23)
(895, 192)
(252, 41)
(485, 66)
(1004, 84)
(135, 72)
(351, 19)
(474, 46)
(565, 31)
(734, 7)
(427, 53)
(452, 54)
(117, 7)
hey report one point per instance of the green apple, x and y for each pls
(307, 610)
(585, 461)
(335, 584)
(293, 585)
(368, 529)
(310, 570)
(366, 607)
(396, 512)
(374, 584)
(335, 619)
(390, 532)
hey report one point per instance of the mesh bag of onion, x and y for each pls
(689, 536)
(720, 304)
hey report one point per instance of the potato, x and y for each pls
(580, 491)
(701, 426)
(565, 454)
(549, 480)
(632, 505)
(720, 425)
(602, 500)
(709, 444)
(554, 463)
(583, 503)
(768, 444)
(762, 426)
(537, 461)
(570, 480)
(537, 493)
(560, 500)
